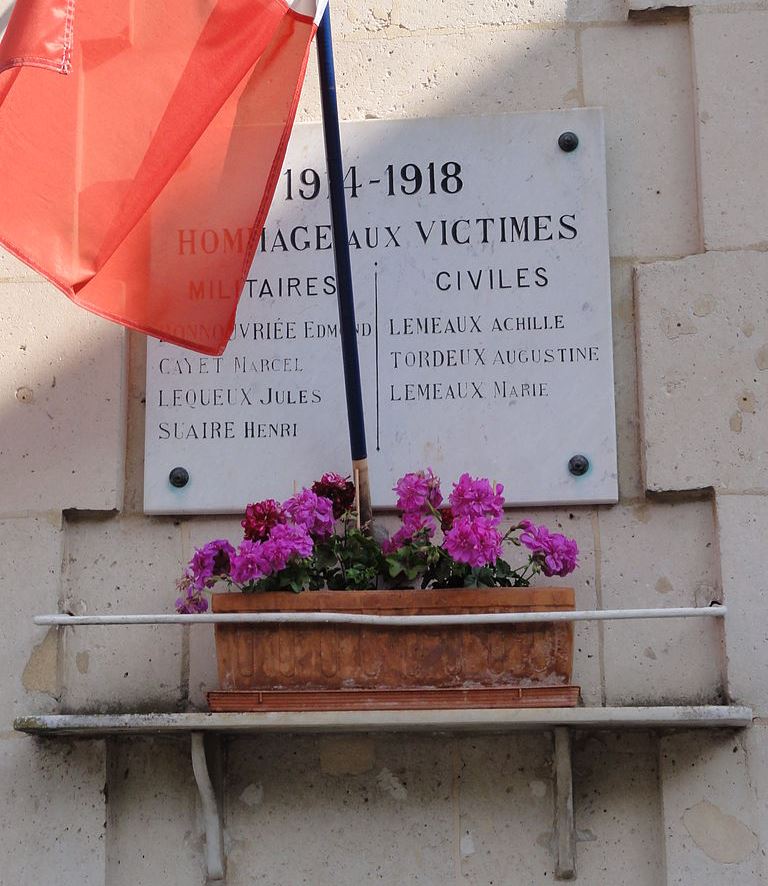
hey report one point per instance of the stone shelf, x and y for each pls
(560, 721)
(497, 720)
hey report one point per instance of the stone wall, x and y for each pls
(683, 90)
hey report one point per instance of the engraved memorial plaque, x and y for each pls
(480, 261)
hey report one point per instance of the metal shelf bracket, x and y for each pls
(565, 831)
(214, 841)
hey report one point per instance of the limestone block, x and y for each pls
(575, 523)
(295, 814)
(710, 5)
(703, 370)
(742, 523)
(477, 72)
(53, 810)
(652, 205)
(30, 567)
(122, 565)
(731, 126)
(62, 419)
(155, 827)
(352, 18)
(133, 500)
(12, 268)
(660, 555)
(617, 809)
(474, 13)
(506, 809)
(709, 811)
(755, 741)
(625, 381)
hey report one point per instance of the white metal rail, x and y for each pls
(382, 620)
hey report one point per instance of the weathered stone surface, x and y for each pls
(350, 18)
(506, 809)
(755, 741)
(617, 809)
(61, 405)
(742, 523)
(52, 816)
(731, 126)
(462, 14)
(122, 565)
(392, 823)
(660, 555)
(133, 499)
(625, 381)
(576, 523)
(703, 369)
(710, 817)
(708, 5)
(477, 72)
(11, 268)
(651, 205)
(154, 823)
(30, 567)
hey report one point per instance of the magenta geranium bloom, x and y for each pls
(473, 540)
(313, 512)
(284, 543)
(417, 490)
(192, 599)
(475, 497)
(247, 562)
(557, 553)
(209, 562)
(413, 523)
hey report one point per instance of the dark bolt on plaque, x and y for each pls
(578, 465)
(179, 477)
(568, 142)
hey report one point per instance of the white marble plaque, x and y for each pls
(480, 261)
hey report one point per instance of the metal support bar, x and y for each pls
(383, 620)
(214, 843)
(565, 831)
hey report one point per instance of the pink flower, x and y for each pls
(192, 599)
(313, 512)
(247, 562)
(284, 543)
(557, 554)
(260, 518)
(413, 523)
(209, 562)
(477, 498)
(417, 490)
(473, 540)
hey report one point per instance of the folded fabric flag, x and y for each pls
(141, 142)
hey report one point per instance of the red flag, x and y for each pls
(142, 142)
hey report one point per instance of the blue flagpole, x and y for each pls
(346, 302)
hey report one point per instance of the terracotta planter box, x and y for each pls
(313, 657)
